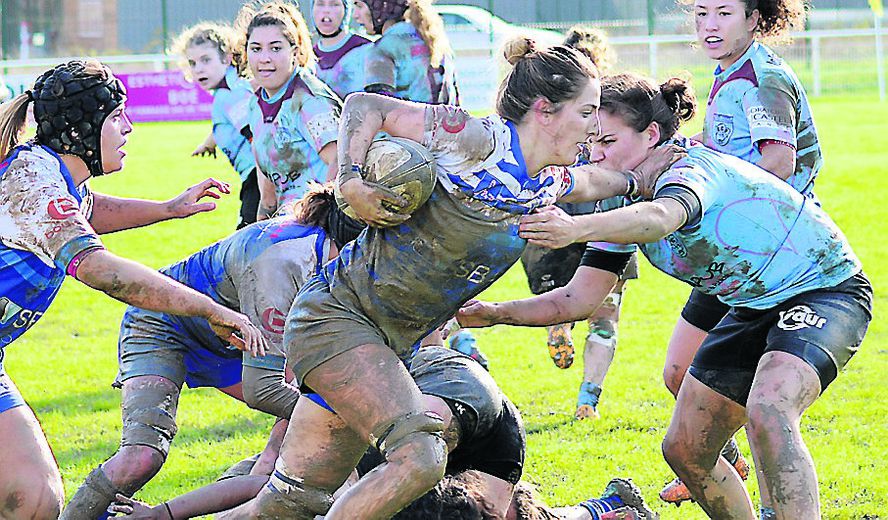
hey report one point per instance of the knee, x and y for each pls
(133, 466)
(34, 497)
(673, 450)
(673, 375)
(766, 418)
(423, 456)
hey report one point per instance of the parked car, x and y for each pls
(477, 37)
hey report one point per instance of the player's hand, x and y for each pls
(237, 330)
(660, 159)
(549, 227)
(205, 149)
(189, 202)
(134, 510)
(476, 313)
(374, 204)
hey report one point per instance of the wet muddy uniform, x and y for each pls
(393, 286)
(398, 65)
(44, 234)
(342, 67)
(491, 432)
(548, 269)
(231, 131)
(757, 101)
(289, 131)
(257, 271)
(768, 252)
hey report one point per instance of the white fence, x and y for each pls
(828, 62)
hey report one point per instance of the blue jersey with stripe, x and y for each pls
(43, 228)
(257, 271)
(342, 67)
(758, 242)
(231, 122)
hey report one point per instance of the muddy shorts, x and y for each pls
(9, 395)
(157, 344)
(392, 286)
(823, 327)
(547, 269)
(704, 311)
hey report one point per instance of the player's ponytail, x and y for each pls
(557, 74)
(777, 18)
(640, 102)
(13, 115)
(430, 27)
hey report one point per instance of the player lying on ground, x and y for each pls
(800, 302)
(757, 110)
(350, 326)
(258, 271)
(485, 441)
(49, 227)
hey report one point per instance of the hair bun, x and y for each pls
(679, 95)
(518, 48)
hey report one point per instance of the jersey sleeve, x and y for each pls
(770, 110)
(694, 181)
(37, 214)
(455, 138)
(319, 121)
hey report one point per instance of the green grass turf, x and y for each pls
(65, 364)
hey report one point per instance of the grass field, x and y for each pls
(65, 365)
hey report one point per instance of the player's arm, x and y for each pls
(268, 203)
(139, 286)
(637, 223)
(112, 214)
(575, 301)
(593, 183)
(329, 155)
(777, 158)
(770, 110)
(207, 147)
(213, 498)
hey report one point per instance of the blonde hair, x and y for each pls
(285, 16)
(217, 34)
(593, 43)
(428, 23)
(13, 115)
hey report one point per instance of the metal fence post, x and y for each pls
(880, 57)
(815, 64)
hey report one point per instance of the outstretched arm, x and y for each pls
(139, 286)
(213, 498)
(574, 302)
(112, 214)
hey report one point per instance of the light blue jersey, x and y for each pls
(44, 233)
(342, 67)
(760, 99)
(231, 128)
(758, 242)
(400, 59)
(289, 131)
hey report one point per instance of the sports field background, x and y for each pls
(65, 365)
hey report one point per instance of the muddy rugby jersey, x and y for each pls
(342, 67)
(231, 127)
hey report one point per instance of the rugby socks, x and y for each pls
(92, 499)
(589, 395)
(597, 506)
(768, 513)
(731, 451)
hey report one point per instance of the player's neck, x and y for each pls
(333, 42)
(77, 168)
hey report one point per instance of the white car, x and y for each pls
(477, 38)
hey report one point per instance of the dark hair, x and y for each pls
(640, 102)
(318, 208)
(451, 499)
(778, 17)
(557, 74)
(593, 43)
(280, 13)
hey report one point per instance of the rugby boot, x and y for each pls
(561, 347)
(677, 492)
(630, 495)
(587, 401)
(464, 342)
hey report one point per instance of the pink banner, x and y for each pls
(165, 96)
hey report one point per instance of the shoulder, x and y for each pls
(33, 165)
(309, 84)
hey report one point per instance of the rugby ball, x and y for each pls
(404, 166)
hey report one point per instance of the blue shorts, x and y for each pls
(824, 328)
(155, 344)
(9, 395)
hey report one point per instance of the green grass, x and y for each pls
(65, 365)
